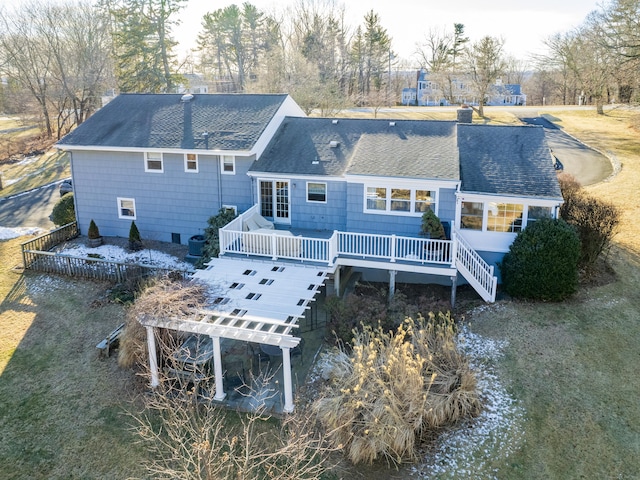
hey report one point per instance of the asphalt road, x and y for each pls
(30, 209)
(585, 164)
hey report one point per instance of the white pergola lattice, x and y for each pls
(253, 301)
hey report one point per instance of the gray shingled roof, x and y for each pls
(506, 160)
(234, 122)
(410, 148)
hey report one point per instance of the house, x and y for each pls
(430, 92)
(316, 197)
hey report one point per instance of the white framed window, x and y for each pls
(399, 201)
(535, 213)
(231, 208)
(504, 217)
(228, 164)
(316, 192)
(127, 208)
(191, 163)
(472, 215)
(153, 162)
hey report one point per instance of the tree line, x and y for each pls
(57, 59)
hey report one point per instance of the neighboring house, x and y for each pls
(316, 197)
(195, 84)
(429, 92)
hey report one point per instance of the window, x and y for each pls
(425, 200)
(228, 164)
(191, 163)
(400, 200)
(230, 209)
(127, 208)
(536, 213)
(504, 217)
(471, 217)
(376, 198)
(153, 162)
(316, 192)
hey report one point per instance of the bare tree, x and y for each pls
(485, 63)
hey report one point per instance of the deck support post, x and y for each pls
(336, 281)
(288, 384)
(153, 358)
(454, 287)
(217, 369)
(392, 284)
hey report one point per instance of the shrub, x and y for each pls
(431, 226)
(93, 231)
(135, 241)
(595, 221)
(211, 247)
(542, 262)
(64, 211)
(395, 387)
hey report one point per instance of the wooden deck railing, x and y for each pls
(475, 270)
(46, 242)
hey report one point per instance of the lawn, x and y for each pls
(571, 367)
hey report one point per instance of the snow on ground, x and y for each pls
(117, 254)
(9, 233)
(471, 450)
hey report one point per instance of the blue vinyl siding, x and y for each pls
(170, 202)
(318, 216)
(359, 221)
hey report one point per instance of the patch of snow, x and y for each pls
(9, 233)
(46, 284)
(113, 253)
(470, 450)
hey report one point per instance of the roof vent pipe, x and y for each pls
(335, 122)
(392, 124)
(334, 144)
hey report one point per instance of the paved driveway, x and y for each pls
(30, 209)
(584, 163)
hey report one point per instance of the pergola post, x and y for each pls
(288, 384)
(153, 358)
(217, 369)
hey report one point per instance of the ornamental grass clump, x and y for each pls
(395, 388)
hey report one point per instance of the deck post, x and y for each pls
(454, 287)
(336, 281)
(392, 283)
(288, 384)
(217, 369)
(153, 359)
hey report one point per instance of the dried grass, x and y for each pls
(395, 387)
(162, 298)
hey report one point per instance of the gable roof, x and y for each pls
(302, 146)
(233, 122)
(506, 160)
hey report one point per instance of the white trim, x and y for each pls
(400, 182)
(127, 217)
(278, 176)
(147, 160)
(325, 192)
(222, 164)
(176, 151)
(187, 160)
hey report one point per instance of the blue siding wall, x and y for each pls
(358, 221)
(318, 216)
(170, 202)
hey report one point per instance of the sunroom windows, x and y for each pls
(408, 201)
(504, 217)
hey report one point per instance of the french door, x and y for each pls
(274, 200)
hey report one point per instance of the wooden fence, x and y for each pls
(34, 257)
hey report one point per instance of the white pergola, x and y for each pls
(253, 301)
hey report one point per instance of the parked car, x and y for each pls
(66, 187)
